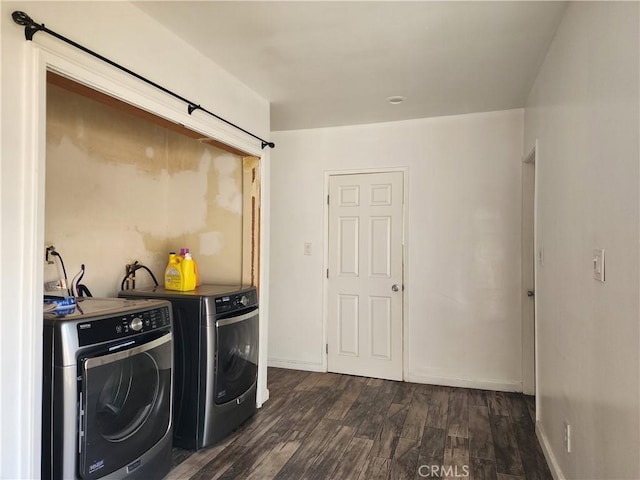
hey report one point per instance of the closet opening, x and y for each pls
(124, 184)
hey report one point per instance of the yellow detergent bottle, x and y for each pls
(173, 278)
(188, 273)
(183, 252)
(195, 268)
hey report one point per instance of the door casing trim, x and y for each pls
(532, 158)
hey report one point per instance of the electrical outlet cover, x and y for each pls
(598, 264)
(567, 436)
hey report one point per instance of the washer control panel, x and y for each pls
(123, 325)
(236, 301)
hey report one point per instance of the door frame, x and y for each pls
(531, 158)
(405, 252)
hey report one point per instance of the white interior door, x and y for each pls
(364, 316)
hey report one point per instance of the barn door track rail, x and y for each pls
(31, 28)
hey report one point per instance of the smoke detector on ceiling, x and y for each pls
(396, 99)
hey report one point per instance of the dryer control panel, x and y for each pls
(236, 301)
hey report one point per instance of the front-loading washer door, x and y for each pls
(125, 404)
(236, 365)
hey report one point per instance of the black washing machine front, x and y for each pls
(109, 407)
(216, 331)
(124, 404)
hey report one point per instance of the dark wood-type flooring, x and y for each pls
(330, 426)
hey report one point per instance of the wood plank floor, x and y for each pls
(330, 426)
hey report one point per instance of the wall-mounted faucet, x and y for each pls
(49, 250)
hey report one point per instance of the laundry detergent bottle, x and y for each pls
(188, 272)
(183, 253)
(173, 278)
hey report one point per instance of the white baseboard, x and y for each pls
(501, 386)
(548, 453)
(497, 385)
(295, 365)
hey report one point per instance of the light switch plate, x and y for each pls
(307, 249)
(598, 264)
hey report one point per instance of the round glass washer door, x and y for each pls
(236, 356)
(125, 402)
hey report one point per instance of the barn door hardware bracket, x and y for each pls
(31, 28)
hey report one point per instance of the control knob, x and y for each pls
(244, 301)
(136, 324)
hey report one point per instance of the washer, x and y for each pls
(107, 390)
(216, 357)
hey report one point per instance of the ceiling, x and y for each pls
(329, 63)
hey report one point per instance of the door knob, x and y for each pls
(395, 288)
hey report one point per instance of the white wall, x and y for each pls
(584, 111)
(120, 31)
(462, 296)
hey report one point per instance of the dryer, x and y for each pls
(107, 390)
(216, 359)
